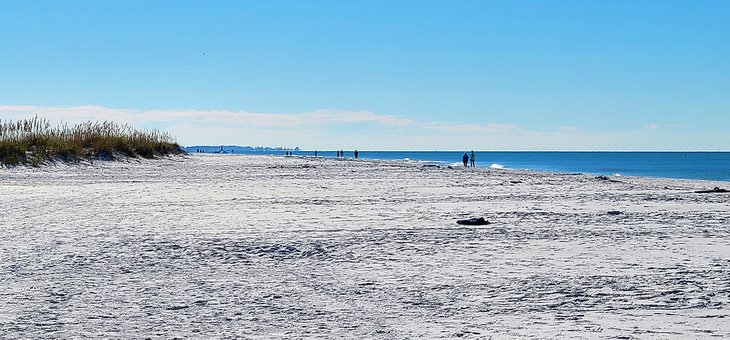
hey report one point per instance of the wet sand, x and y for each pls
(235, 246)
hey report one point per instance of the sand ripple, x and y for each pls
(261, 247)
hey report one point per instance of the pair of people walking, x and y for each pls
(341, 154)
(468, 159)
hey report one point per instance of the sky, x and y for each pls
(379, 75)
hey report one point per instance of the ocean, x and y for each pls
(687, 165)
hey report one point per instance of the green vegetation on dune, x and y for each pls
(35, 141)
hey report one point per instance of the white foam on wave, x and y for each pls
(496, 166)
(426, 162)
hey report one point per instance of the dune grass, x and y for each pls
(35, 141)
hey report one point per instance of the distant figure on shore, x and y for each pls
(315, 153)
(471, 158)
(356, 153)
(342, 153)
(465, 159)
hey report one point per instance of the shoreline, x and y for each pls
(425, 163)
(711, 166)
(454, 166)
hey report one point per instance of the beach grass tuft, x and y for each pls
(35, 141)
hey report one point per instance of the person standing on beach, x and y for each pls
(356, 153)
(315, 153)
(465, 159)
(471, 158)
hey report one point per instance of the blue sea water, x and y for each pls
(688, 165)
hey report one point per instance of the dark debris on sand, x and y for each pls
(716, 190)
(473, 221)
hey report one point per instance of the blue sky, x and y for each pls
(390, 75)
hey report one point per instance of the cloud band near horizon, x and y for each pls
(336, 129)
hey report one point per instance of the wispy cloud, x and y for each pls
(70, 113)
(336, 129)
(244, 118)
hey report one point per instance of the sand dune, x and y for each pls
(235, 246)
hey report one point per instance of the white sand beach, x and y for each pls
(236, 246)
